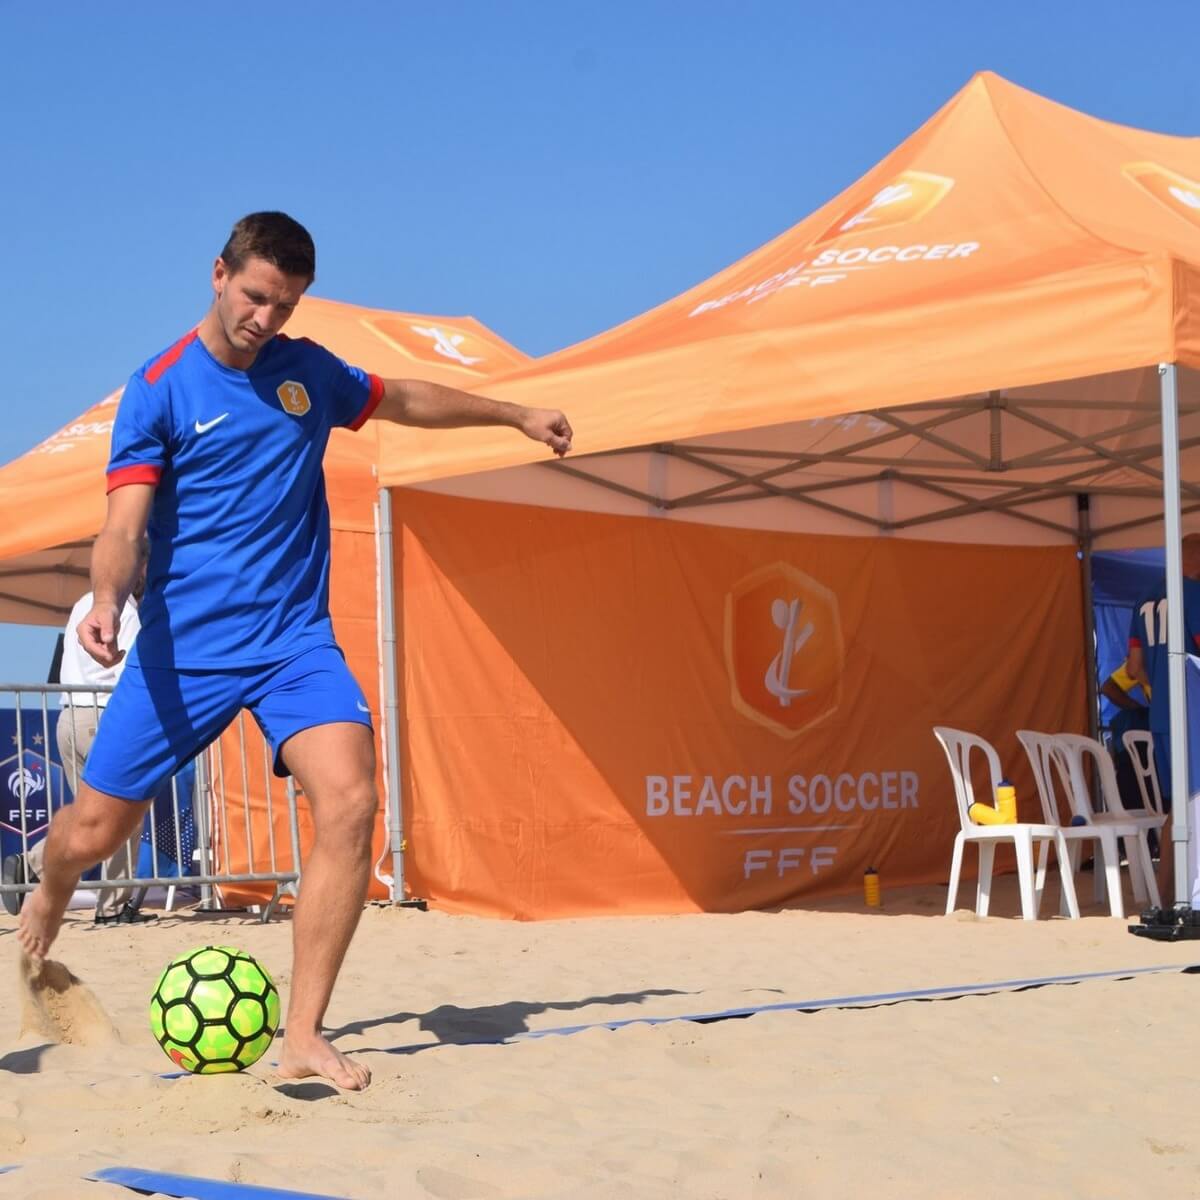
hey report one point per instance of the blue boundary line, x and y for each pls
(865, 1000)
(857, 1001)
(192, 1187)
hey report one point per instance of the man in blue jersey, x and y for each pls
(216, 452)
(1147, 663)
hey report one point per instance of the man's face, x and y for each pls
(255, 303)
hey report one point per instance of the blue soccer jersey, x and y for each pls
(239, 530)
(1148, 629)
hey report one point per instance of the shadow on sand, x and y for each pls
(454, 1026)
(24, 1062)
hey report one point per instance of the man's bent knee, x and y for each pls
(350, 817)
(361, 805)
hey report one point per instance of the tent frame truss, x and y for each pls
(1070, 459)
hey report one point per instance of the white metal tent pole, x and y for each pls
(391, 695)
(1176, 655)
(1083, 502)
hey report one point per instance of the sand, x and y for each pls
(1083, 1090)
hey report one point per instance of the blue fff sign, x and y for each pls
(31, 778)
(34, 775)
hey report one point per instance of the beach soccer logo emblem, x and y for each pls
(783, 649)
(1179, 193)
(294, 397)
(431, 342)
(907, 197)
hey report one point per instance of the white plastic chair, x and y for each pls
(958, 747)
(1048, 759)
(1139, 744)
(1077, 749)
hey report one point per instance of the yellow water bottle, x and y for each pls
(871, 887)
(1006, 802)
(984, 814)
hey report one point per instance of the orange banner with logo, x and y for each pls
(610, 714)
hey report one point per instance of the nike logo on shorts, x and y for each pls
(361, 706)
(205, 426)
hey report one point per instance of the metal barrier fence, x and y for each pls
(195, 841)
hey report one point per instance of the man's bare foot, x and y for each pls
(304, 1057)
(39, 925)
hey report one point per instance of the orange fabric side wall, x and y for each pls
(575, 741)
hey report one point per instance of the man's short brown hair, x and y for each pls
(275, 237)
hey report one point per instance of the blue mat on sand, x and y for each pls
(866, 1000)
(189, 1187)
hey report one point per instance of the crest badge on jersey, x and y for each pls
(294, 397)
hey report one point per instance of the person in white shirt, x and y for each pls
(75, 731)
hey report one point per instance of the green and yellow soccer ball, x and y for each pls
(214, 1009)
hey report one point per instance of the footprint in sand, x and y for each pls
(449, 1185)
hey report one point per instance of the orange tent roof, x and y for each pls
(54, 494)
(1009, 242)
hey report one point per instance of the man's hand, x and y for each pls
(98, 634)
(549, 426)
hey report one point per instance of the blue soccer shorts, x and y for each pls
(160, 718)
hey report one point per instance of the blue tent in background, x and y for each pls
(1119, 580)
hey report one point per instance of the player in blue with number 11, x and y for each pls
(216, 452)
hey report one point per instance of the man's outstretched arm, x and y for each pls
(434, 406)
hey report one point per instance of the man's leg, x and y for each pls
(75, 732)
(81, 835)
(335, 765)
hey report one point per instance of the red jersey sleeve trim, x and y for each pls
(138, 473)
(1135, 643)
(165, 361)
(373, 398)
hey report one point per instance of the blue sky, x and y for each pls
(550, 168)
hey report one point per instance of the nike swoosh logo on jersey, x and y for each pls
(205, 426)
(361, 706)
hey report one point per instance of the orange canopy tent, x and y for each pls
(963, 347)
(1005, 276)
(996, 294)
